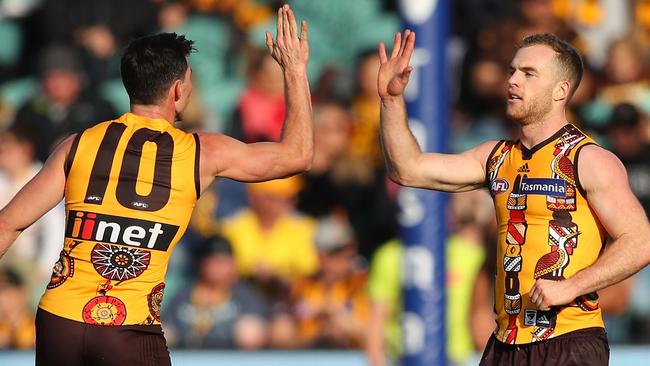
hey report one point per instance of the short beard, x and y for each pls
(533, 112)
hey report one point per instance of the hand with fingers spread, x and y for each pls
(394, 72)
(289, 49)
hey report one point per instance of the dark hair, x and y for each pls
(22, 132)
(215, 244)
(568, 58)
(151, 64)
(624, 115)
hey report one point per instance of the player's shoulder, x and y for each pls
(212, 140)
(484, 151)
(598, 167)
(97, 129)
(594, 154)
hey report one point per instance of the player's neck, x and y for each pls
(536, 132)
(154, 111)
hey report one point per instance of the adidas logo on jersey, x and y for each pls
(523, 169)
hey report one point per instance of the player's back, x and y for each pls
(131, 186)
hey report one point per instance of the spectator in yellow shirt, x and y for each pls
(272, 243)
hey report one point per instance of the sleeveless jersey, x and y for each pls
(130, 189)
(546, 230)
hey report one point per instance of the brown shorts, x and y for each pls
(60, 341)
(581, 347)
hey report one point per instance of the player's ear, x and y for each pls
(177, 90)
(562, 90)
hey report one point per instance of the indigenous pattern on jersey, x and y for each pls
(131, 186)
(542, 215)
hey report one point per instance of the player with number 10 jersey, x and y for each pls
(132, 185)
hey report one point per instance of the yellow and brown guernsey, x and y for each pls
(131, 186)
(546, 230)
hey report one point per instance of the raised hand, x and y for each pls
(289, 49)
(394, 72)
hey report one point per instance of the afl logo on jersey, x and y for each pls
(498, 186)
(94, 198)
(141, 205)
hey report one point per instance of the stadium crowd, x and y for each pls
(311, 261)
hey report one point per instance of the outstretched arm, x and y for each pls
(604, 179)
(228, 157)
(407, 164)
(36, 198)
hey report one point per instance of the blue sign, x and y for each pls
(422, 212)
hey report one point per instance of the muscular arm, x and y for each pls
(605, 181)
(36, 198)
(608, 192)
(407, 164)
(226, 157)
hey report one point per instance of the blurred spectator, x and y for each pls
(471, 214)
(364, 142)
(341, 29)
(273, 244)
(533, 16)
(64, 105)
(330, 308)
(213, 67)
(217, 311)
(16, 320)
(196, 117)
(627, 74)
(384, 343)
(245, 13)
(628, 142)
(470, 217)
(597, 23)
(260, 113)
(483, 105)
(38, 247)
(579, 106)
(99, 28)
(322, 193)
(357, 175)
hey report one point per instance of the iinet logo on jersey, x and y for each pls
(119, 230)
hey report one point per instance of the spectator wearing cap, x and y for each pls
(273, 243)
(329, 309)
(217, 310)
(64, 105)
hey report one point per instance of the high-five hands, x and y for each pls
(289, 49)
(394, 72)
